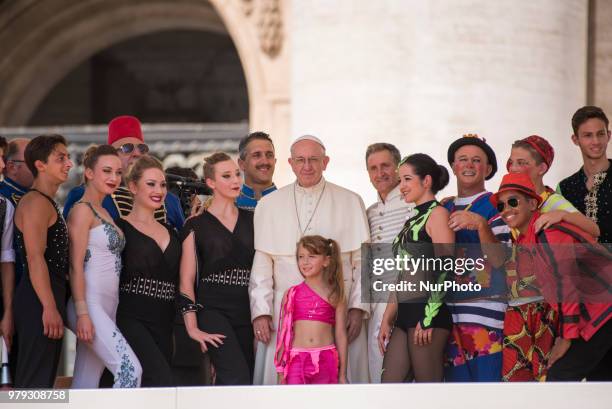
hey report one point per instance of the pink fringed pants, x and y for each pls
(313, 365)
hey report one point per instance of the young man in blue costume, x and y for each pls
(257, 161)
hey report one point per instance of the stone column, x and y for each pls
(600, 55)
(421, 73)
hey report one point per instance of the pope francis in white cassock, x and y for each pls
(311, 205)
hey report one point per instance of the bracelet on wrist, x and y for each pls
(186, 305)
(81, 308)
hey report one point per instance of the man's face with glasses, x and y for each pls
(516, 209)
(308, 162)
(130, 149)
(16, 167)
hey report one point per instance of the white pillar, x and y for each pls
(422, 73)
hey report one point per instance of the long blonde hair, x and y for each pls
(332, 274)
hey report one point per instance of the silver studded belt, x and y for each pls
(162, 290)
(233, 276)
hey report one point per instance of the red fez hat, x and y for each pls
(124, 127)
(519, 182)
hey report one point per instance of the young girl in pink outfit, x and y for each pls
(312, 344)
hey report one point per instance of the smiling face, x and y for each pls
(151, 189)
(311, 265)
(308, 161)
(226, 181)
(105, 177)
(382, 171)
(522, 161)
(259, 162)
(58, 164)
(412, 187)
(517, 217)
(471, 166)
(592, 138)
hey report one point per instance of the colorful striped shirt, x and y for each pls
(555, 201)
(487, 312)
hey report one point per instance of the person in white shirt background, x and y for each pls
(386, 218)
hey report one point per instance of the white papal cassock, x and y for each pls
(325, 209)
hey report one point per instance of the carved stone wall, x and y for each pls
(42, 41)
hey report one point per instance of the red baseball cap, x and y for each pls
(124, 126)
(519, 182)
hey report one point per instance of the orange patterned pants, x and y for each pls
(529, 334)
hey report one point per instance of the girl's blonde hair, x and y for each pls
(332, 274)
(140, 165)
(93, 153)
(211, 161)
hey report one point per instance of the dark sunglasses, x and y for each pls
(128, 148)
(512, 202)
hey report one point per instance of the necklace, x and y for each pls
(297, 213)
(243, 193)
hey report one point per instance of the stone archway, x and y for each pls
(43, 41)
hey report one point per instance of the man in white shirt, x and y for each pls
(386, 218)
(309, 206)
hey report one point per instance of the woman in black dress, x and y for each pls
(217, 256)
(151, 259)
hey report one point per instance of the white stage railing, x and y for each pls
(399, 396)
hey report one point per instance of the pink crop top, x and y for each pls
(308, 305)
(302, 303)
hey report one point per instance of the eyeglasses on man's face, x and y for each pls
(313, 160)
(513, 202)
(128, 148)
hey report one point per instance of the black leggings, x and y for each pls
(234, 361)
(405, 361)
(153, 347)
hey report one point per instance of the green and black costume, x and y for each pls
(413, 240)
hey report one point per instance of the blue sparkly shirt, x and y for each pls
(247, 200)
